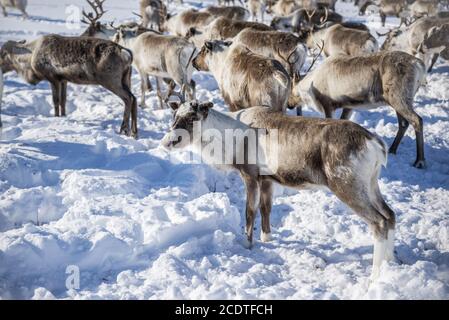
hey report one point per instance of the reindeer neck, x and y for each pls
(222, 121)
(22, 63)
(216, 65)
(216, 131)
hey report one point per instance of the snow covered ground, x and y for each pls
(139, 225)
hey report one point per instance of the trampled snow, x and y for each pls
(140, 225)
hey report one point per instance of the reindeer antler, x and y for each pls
(326, 16)
(310, 15)
(315, 58)
(287, 60)
(97, 6)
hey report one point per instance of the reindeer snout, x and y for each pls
(170, 140)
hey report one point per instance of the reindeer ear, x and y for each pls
(205, 107)
(174, 105)
(209, 45)
(191, 32)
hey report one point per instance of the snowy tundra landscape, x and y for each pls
(139, 223)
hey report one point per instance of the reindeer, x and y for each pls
(245, 79)
(257, 9)
(285, 47)
(234, 12)
(346, 38)
(92, 19)
(409, 39)
(435, 42)
(79, 60)
(298, 152)
(391, 77)
(180, 24)
(153, 13)
(222, 29)
(386, 8)
(15, 4)
(161, 56)
(303, 19)
(282, 46)
(283, 8)
(421, 8)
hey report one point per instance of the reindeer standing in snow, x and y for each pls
(298, 152)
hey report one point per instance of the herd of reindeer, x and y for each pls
(260, 72)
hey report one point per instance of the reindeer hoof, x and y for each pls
(124, 130)
(420, 164)
(134, 135)
(247, 244)
(265, 237)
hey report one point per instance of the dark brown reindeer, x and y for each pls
(80, 60)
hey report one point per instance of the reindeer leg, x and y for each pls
(144, 84)
(159, 93)
(383, 18)
(63, 98)
(192, 89)
(432, 63)
(266, 195)
(328, 113)
(56, 93)
(346, 114)
(171, 91)
(406, 111)
(5, 14)
(123, 91)
(362, 195)
(403, 125)
(24, 14)
(252, 204)
(299, 111)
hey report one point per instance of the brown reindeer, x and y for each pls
(365, 82)
(298, 152)
(80, 60)
(245, 79)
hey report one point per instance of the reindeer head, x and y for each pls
(435, 40)
(8, 52)
(281, 23)
(393, 40)
(210, 49)
(124, 34)
(185, 116)
(92, 19)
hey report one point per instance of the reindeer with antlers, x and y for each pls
(92, 19)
